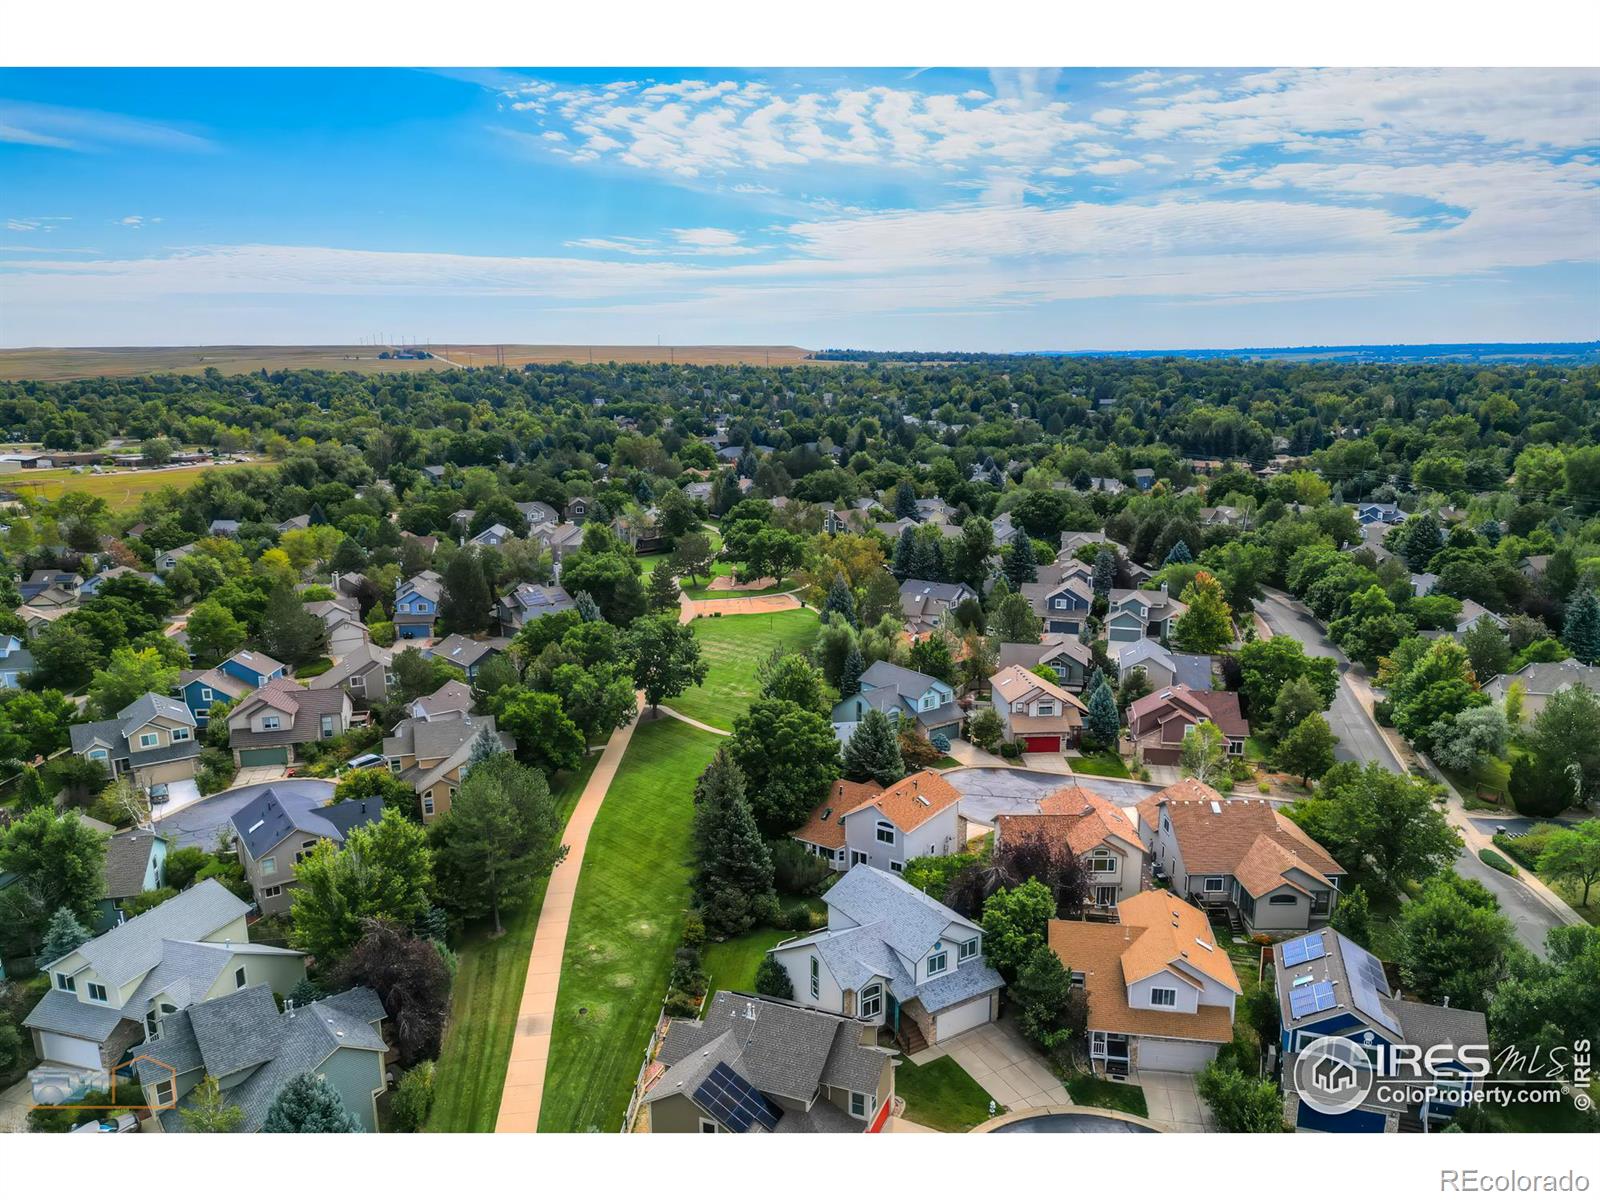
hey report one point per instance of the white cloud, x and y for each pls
(136, 222)
(85, 129)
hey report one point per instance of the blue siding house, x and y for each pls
(252, 666)
(204, 690)
(15, 661)
(416, 606)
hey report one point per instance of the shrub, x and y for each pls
(1383, 712)
(694, 929)
(1263, 787)
(795, 872)
(772, 979)
(1241, 771)
(940, 743)
(1490, 859)
(1011, 750)
(413, 1099)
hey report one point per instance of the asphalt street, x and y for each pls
(199, 824)
(987, 792)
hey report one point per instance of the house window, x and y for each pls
(872, 1001)
(98, 755)
(1047, 710)
(1060, 603)
(1102, 864)
(857, 857)
(271, 893)
(180, 734)
(707, 1126)
(858, 1104)
(269, 865)
(427, 805)
(967, 949)
(930, 701)
(816, 978)
(390, 678)
(205, 693)
(1283, 898)
(1078, 980)
(938, 963)
(1164, 997)
(270, 721)
(66, 983)
(1215, 883)
(394, 764)
(200, 714)
(164, 1093)
(897, 867)
(146, 740)
(97, 993)
(238, 978)
(327, 726)
(886, 833)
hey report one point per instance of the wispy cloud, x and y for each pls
(136, 222)
(85, 129)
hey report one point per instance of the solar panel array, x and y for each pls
(1310, 998)
(1368, 985)
(1301, 950)
(728, 1097)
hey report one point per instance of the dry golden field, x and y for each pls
(121, 490)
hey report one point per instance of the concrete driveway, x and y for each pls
(1174, 1101)
(250, 776)
(1002, 1064)
(15, 1104)
(200, 823)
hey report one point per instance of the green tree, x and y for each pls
(1367, 813)
(1371, 627)
(1178, 554)
(1429, 683)
(1265, 666)
(790, 758)
(1297, 699)
(1581, 632)
(1562, 764)
(1487, 648)
(733, 882)
(663, 593)
(905, 502)
(288, 632)
(546, 736)
(60, 859)
(850, 672)
(384, 871)
(1204, 754)
(62, 936)
(1454, 942)
(1015, 621)
(873, 751)
(1352, 916)
(1103, 722)
(208, 1112)
(412, 1101)
(1572, 856)
(933, 655)
(841, 600)
(792, 677)
(1105, 571)
(1470, 737)
(985, 730)
(64, 655)
(214, 633)
(772, 979)
(666, 659)
(1307, 750)
(692, 556)
(129, 675)
(1019, 562)
(1015, 923)
(1239, 1103)
(1419, 540)
(467, 604)
(308, 1103)
(362, 783)
(1551, 1003)
(1050, 1013)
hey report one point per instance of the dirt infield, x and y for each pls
(735, 606)
(727, 583)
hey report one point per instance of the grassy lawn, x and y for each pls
(317, 666)
(627, 919)
(941, 1095)
(1256, 749)
(483, 1005)
(121, 490)
(733, 647)
(706, 593)
(732, 964)
(1094, 1092)
(1103, 762)
(1493, 775)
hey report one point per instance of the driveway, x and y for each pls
(1172, 1099)
(181, 794)
(1002, 1064)
(986, 792)
(200, 823)
(15, 1103)
(250, 776)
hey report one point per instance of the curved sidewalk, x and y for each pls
(530, 1048)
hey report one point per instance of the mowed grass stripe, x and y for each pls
(627, 920)
(733, 647)
(483, 1005)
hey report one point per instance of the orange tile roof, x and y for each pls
(914, 799)
(825, 825)
(1172, 934)
(1074, 815)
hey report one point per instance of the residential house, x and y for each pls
(346, 636)
(464, 652)
(16, 661)
(1074, 540)
(222, 527)
(416, 605)
(203, 690)
(1063, 653)
(537, 512)
(700, 490)
(168, 559)
(1155, 658)
(135, 862)
(1193, 671)
(1111, 487)
(434, 473)
(577, 510)
(431, 753)
(934, 509)
(152, 740)
(120, 988)
(1225, 515)
(274, 832)
(449, 701)
(303, 521)
(924, 603)
(894, 956)
(1241, 856)
(44, 580)
(243, 1041)
(1472, 612)
(349, 583)
(528, 602)
(755, 1064)
(838, 520)
(55, 597)
(885, 827)
(641, 531)
(1062, 596)
(1143, 478)
(1534, 566)
(1135, 614)
(1043, 716)
(1388, 514)
(366, 673)
(1160, 991)
(558, 541)
(1158, 721)
(1331, 988)
(1423, 583)
(252, 667)
(1097, 832)
(1540, 681)
(268, 727)
(495, 535)
(907, 695)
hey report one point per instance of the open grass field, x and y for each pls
(90, 362)
(733, 647)
(627, 920)
(483, 1005)
(941, 1095)
(121, 490)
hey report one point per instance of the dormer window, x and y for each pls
(938, 963)
(66, 983)
(967, 949)
(97, 993)
(886, 832)
(269, 721)
(1047, 708)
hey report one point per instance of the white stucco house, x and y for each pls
(885, 827)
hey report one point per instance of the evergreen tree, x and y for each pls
(63, 935)
(873, 751)
(1420, 540)
(772, 979)
(905, 554)
(840, 600)
(485, 745)
(1489, 531)
(1105, 571)
(308, 1103)
(733, 885)
(663, 591)
(1352, 916)
(1020, 563)
(905, 502)
(288, 632)
(1581, 632)
(467, 603)
(1015, 621)
(1096, 678)
(1103, 722)
(850, 674)
(586, 608)
(1178, 554)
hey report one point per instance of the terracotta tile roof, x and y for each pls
(1074, 815)
(1220, 708)
(825, 825)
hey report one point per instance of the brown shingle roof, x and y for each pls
(825, 825)
(1073, 815)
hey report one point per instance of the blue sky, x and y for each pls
(985, 210)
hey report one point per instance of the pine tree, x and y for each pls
(850, 674)
(64, 934)
(842, 601)
(1420, 540)
(308, 1103)
(663, 591)
(467, 600)
(288, 632)
(1103, 722)
(1105, 571)
(905, 502)
(1178, 554)
(485, 745)
(1581, 632)
(1020, 563)
(586, 607)
(873, 751)
(733, 885)
(772, 979)
(1096, 678)
(905, 554)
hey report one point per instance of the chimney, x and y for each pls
(288, 1007)
(1163, 588)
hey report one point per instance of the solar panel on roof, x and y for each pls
(1305, 949)
(729, 1098)
(1368, 985)
(1310, 998)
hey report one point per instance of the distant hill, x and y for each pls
(1565, 353)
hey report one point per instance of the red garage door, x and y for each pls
(1043, 743)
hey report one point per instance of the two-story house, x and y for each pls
(268, 727)
(1160, 991)
(1135, 614)
(1064, 653)
(1373, 513)
(16, 661)
(924, 603)
(45, 580)
(252, 1050)
(1331, 988)
(1240, 856)
(1157, 722)
(495, 535)
(1062, 596)
(578, 509)
(367, 673)
(1541, 681)
(755, 1064)
(431, 754)
(907, 695)
(120, 988)
(252, 667)
(1095, 830)
(895, 956)
(202, 691)
(135, 862)
(461, 651)
(1043, 716)
(528, 602)
(537, 512)
(1153, 658)
(152, 740)
(416, 605)
(274, 832)
(885, 827)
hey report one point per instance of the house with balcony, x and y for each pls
(120, 989)
(885, 827)
(906, 695)
(1043, 716)
(152, 740)
(201, 691)
(416, 605)
(273, 832)
(1157, 722)
(894, 956)
(1240, 858)
(269, 727)
(1160, 991)
(1096, 831)
(1136, 613)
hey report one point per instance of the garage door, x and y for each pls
(961, 1018)
(1160, 1054)
(1042, 743)
(266, 757)
(71, 1050)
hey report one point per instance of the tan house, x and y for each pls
(268, 727)
(1095, 831)
(152, 739)
(431, 756)
(1043, 716)
(1160, 991)
(274, 832)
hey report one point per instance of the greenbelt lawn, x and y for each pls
(733, 647)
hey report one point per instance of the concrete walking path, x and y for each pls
(530, 1047)
(678, 716)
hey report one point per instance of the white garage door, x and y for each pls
(962, 1018)
(1159, 1054)
(71, 1050)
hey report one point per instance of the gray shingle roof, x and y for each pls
(127, 859)
(135, 947)
(269, 818)
(61, 1012)
(148, 707)
(309, 705)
